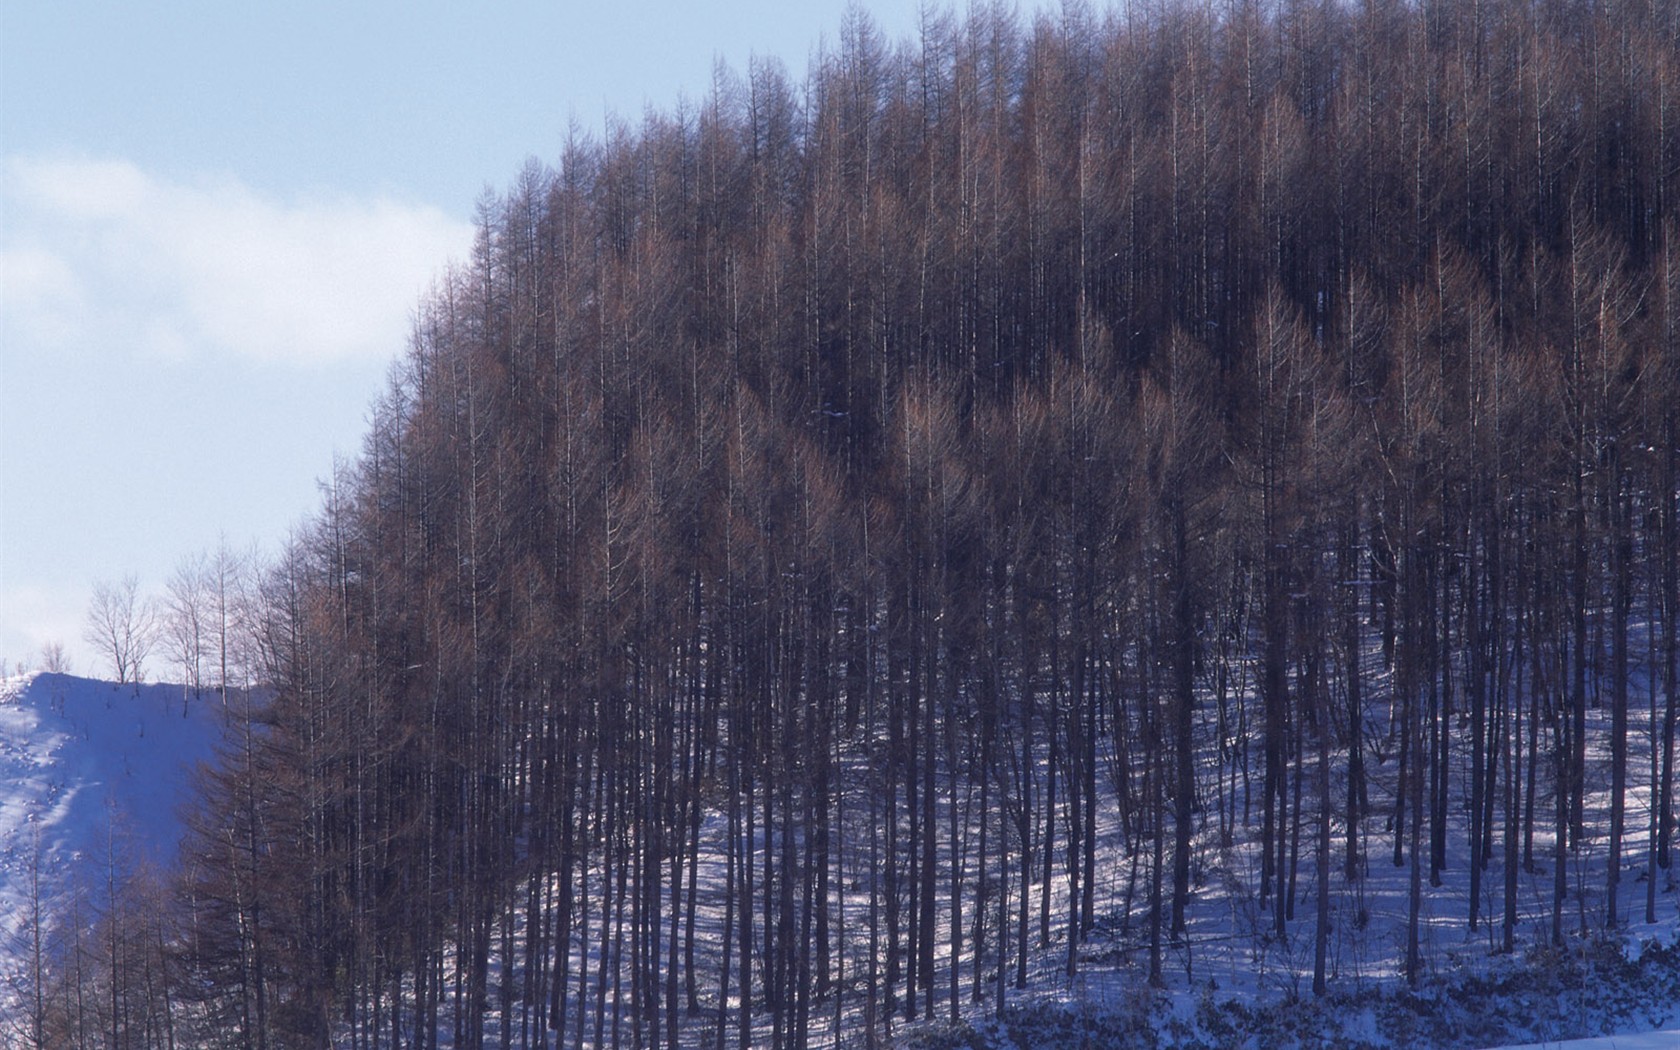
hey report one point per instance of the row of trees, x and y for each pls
(838, 545)
(203, 623)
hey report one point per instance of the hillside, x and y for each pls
(94, 777)
(85, 760)
(1157, 527)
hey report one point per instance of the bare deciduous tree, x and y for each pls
(53, 658)
(122, 626)
(187, 619)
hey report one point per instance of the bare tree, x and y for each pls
(23, 994)
(53, 658)
(122, 626)
(188, 618)
(228, 617)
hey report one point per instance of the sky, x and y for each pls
(216, 221)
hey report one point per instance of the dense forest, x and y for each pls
(829, 533)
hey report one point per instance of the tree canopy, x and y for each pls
(894, 495)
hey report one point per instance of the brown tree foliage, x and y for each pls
(872, 494)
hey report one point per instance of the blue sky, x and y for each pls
(216, 219)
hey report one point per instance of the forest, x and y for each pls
(843, 542)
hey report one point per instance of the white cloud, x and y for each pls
(38, 289)
(103, 254)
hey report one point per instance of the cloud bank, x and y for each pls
(101, 256)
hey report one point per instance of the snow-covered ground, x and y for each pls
(90, 773)
(1664, 1040)
(1233, 980)
(89, 769)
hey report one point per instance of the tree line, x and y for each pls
(833, 541)
(204, 624)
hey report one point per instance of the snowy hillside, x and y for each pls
(88, 770)
(1638, 1041)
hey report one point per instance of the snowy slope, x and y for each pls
(89, 769)
(1640, 1041)
(85, 763)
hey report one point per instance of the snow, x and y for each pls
(90, 773)
(1470, 993)
(89, 769)
(1664, 1040)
